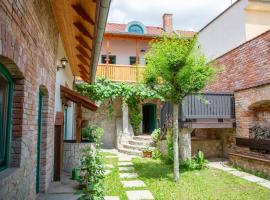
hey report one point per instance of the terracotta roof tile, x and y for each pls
(186, 33)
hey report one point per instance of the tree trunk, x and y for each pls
(175, 143)
(185, 143)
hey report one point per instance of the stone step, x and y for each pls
(143, 138)
(140, 143)
(130, 151)
(134, 147)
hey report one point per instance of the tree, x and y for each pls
(176, 68)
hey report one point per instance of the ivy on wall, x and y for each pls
(131, 94)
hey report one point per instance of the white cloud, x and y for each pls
(187, 14)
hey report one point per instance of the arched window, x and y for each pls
(6, 92)
(135, 28)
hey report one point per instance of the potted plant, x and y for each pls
(147, 152)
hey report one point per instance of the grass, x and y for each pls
(206, 184)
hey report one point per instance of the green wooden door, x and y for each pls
(149, 118)
(38, 141)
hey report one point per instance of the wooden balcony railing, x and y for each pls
(121, 73)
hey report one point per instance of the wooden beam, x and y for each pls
(83, 52)
(81, 67)
(83, 30)
(83, 43)
(79, 123)
(81, 12)
(82, 59)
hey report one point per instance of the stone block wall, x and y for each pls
(28, 44)
(73, 154)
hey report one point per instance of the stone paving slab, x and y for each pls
(124, 169)
(139, 195)
(111, 198)
(58, 197)
(265, 183)
(133, 183)
(239, 173)
(111, 156)
(221, 166)
(253, 178)
(125, 164)
(124, 159)
(109, 166)
(107, 172)
(128, 175)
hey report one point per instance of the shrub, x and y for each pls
(93, 133)
(197, 162)
(92, 176)
(156, 135)
(156, 154)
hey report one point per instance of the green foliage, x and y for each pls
(92, 176)
(156, 154)
(93, 133)
(131, 94)
(169, 144)
(176, 68)
(198, 162)
(156, 135)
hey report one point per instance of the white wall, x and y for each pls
(64, 77)
(123, 49)
(225, 33)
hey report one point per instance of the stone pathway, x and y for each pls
(222, 165)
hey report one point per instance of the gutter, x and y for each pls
(101, 17)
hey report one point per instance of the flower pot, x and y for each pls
(147, 154)
(76, 174)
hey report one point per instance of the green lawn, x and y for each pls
(207, 184)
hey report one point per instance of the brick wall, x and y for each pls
(28, 43)
(245, 66)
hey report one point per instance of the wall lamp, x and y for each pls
(63, 63)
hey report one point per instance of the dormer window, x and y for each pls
(135, 27)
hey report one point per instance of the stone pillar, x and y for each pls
(185, 143)
(125, 118)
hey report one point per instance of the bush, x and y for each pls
(93, 133)
(156, 154)
(92, 175)
(197, 162)
(156, 135)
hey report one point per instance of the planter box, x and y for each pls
(253, 143)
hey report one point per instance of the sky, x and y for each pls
(187, 14)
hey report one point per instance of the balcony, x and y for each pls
(120, 73)
(207, 110)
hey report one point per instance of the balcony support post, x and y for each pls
(185, 143)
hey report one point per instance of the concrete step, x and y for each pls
(134, 147)
(140, 143)
(142, 138)
(130, 151)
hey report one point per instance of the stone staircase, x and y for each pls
(136, 145)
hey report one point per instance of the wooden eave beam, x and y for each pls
(83, 30)
(81, 67)
(82, 59)
(81, 12)
(83, 52)
(83, 43)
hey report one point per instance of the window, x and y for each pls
(6, 89)
(135, 28)
(132, 60)
(111, 61)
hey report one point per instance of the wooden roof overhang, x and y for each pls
(77, 22)
(77, 98)
(115, 35)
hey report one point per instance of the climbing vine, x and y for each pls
(131, 94)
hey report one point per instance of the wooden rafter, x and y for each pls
(83, 51)
(81, 12)
(83, 30)
(82, 60)
(82, 42)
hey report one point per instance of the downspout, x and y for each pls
(101, 17)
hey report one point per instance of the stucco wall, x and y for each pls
(123, 49)
(225, 33)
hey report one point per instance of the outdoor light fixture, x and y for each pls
(142, 50)
(63, 62)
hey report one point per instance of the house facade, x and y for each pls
(242, 21)
(38, 37)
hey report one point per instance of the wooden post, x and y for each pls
(79, 123)
(107, 59)
(137, 60)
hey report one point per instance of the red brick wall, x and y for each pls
(28, 46)
(245, 66)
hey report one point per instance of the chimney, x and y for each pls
(167, 23)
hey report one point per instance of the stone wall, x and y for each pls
(28, 44)
(73, 154)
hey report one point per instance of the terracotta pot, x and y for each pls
(147, 154)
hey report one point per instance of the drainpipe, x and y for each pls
(101, 17)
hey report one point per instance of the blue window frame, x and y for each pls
(6, 93)
(135, 28)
